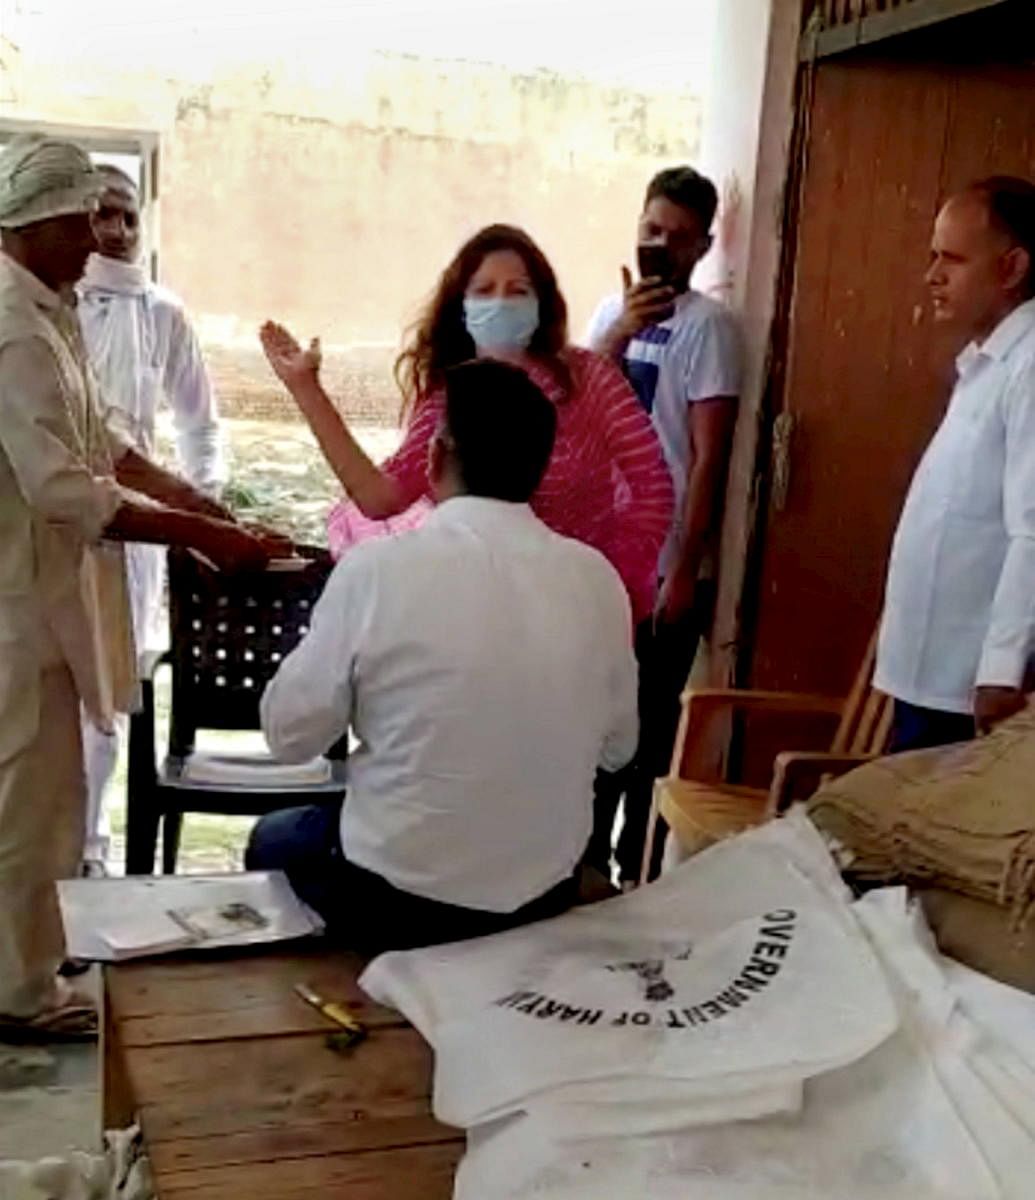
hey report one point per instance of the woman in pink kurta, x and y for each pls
(606, 485)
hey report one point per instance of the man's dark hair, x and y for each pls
(1011, 208)
(687, 188)
(500, 428)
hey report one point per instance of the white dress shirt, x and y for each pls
(485, 665)
(959, 609)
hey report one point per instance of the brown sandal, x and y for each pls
(69, 1022)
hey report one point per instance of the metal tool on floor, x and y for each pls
(351, 1031)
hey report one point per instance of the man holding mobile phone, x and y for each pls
(681, 352)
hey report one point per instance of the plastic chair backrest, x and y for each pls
(229, 633)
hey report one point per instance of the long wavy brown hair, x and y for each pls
(439, 340)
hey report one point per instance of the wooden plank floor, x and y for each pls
(239, 1096)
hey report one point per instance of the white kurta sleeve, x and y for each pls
(189, 391)
(307, 706)
(1011, 632)
(43, 447)
(120, 441)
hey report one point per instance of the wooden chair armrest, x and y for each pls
(705, 711)
(709, 700)
(797, 774)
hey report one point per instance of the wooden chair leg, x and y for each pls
(648, 844)
(141, 837)
(172, 826)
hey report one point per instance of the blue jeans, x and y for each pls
(362, 909)
(915, 728)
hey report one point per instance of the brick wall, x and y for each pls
(359, 381)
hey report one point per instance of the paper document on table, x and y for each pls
(220, 921)
(133, 935)
(112, 919)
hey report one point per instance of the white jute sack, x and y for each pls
(942, 1110)
(710, 995)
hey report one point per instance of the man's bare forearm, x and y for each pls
(711, 436)
(226, 545)
(699, 515)
(158, 525)
(140, 474)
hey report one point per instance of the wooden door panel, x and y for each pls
(867, 375)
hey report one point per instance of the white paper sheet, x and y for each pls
(89, 906)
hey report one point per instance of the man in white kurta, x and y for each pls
(958, 632)
(71, 490)
(142, 349)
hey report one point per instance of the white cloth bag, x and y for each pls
(711, 994)
(942, 1110)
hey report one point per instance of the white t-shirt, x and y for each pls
(485, 666)
(694, 355)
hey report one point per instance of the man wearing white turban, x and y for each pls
(142, 349)
(71, 490)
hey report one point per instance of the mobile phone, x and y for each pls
(654, 261)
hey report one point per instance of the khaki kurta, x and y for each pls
(64, 612)
(62, 593)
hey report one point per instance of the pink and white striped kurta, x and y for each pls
(606, 484)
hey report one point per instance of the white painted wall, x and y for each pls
(746, 136)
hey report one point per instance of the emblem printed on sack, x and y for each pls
(770, 949)
(652, 974)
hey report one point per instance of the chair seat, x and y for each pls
(700, 814)
(250, 773)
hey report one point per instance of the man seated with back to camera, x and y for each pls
(485, 666)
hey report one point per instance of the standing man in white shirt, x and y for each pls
(142, 349)
(485, 665)
(681, 352)
(958, 631)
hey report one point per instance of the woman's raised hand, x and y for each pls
(291, 364)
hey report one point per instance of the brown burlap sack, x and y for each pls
(981, 936)
(959, 817)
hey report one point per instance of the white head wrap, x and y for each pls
(42, 177)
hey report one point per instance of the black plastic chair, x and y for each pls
(228, 635)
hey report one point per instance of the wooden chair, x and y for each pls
(700, 808)
(228, 635)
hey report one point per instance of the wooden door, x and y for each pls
(892, 133)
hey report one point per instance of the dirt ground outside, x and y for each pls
(278, 475)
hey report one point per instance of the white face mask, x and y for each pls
(501, 323)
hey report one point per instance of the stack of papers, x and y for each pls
(109, 920)
(264, 771)
(134, 935)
